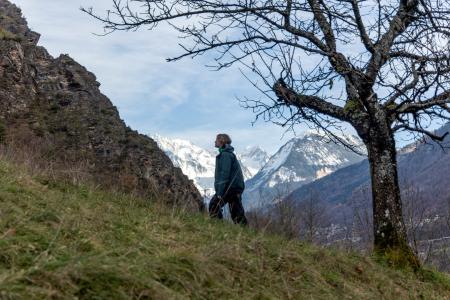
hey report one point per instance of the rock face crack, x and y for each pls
(58, 103)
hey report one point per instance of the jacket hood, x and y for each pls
(226, 148)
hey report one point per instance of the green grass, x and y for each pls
(64, 241)
(8, 36)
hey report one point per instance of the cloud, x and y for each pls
(181, 99)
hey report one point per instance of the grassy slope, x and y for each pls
(61, 241)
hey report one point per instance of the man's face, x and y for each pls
(218, 143)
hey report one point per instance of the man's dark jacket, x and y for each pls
(228, 173)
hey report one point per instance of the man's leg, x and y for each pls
(215, 207)
(236, 209)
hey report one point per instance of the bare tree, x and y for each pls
(287, 217)
(278, 212)
(415, 213)
(284, 219)
(362, 216)
(284, 212)
(447, 215)
(257, 219)
(311, 212)
(446, 252)
(380, 66)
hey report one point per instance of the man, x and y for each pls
(228, 182)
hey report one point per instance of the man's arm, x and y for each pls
(224, 169)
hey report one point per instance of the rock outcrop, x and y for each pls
(56, 104)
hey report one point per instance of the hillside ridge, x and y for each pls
(53, 107)
(60, 240)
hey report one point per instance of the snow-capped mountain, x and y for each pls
(198, 163)
(422, 168)
(253, 158)
(300, 161)
(193, 160)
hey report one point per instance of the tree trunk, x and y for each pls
(389, 228)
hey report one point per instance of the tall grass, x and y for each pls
(62, 240)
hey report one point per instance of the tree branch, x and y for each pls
(290, 97)
(362, 29)
(400, 22)
(442, 100)
(432, 135)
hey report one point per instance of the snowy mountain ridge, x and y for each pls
(193, 160)
(301, 160)
(199, 164)
(253, 158)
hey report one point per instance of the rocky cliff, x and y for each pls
(55, 105)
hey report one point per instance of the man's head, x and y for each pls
(222, 139)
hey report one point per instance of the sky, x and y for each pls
(182, 99)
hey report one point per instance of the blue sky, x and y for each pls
(182, 99)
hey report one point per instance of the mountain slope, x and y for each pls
(53, 108)
(423, 165)
(298, 162)
(192, 159)
(253, 158)
(63, 241)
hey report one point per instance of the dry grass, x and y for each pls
(43, 157)
(8, 36)
(59, 240)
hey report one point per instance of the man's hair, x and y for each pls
(225, 138)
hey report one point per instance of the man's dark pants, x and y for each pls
(234, 201)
